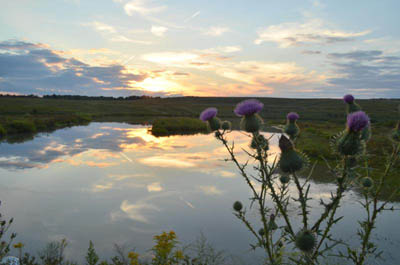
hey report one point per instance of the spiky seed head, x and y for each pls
(237, 206)
(290, 160)
(214, 124)
(291, 129)
(226, 125)
(350, 143)
(259, 141)
(367, 182)
(284, 179)
(305, 240)
(251, 123)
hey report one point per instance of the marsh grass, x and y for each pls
(177, 125)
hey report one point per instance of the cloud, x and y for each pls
(195, 14)
(171, 58)
(255, 78)
(310, 32)
(30, 68)
(267, 73)
(142, 7)
(159, 31)
(216, 31)
(154, 187)
(20, 45)
(366, 72)
(112, 34)
(99, 26)
(191, 59)
(210, 190)
(137, 211)
(225, 49)
(311, 52)
(121, 38)
(372, 55)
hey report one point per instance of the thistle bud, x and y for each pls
(261, 232)
(251, 123)
(226, 125)
(284, 179)
(290, 160)
(305, 240)
(367, 182)
(271, 224)
(259, 141)
(214, 124)
(349, 144)
(237, 206)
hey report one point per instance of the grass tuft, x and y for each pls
(178, 125)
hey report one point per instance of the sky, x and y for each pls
(253, 48)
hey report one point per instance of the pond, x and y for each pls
(116, 183)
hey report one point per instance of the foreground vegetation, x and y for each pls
(166, 251)
(276, 187)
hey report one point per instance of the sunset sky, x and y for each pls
(257, 48)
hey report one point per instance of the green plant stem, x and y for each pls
(256, 195)
(330, 211)
(267, 178)
(370, 225)
(302, 199)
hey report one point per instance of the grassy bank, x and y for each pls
(177, 125)
(12, 125)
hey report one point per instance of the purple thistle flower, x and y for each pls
(357, 121)
(208, 114)
(292, 116)
(248, 107)
(348, 98)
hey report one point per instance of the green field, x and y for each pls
(332, 110)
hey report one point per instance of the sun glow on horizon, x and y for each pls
(159, 84)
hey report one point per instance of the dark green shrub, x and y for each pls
(21, 126)
(3, 131)
(179, 125)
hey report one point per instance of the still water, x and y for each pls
(116, 183)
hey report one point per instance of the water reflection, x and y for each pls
(116, 183)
